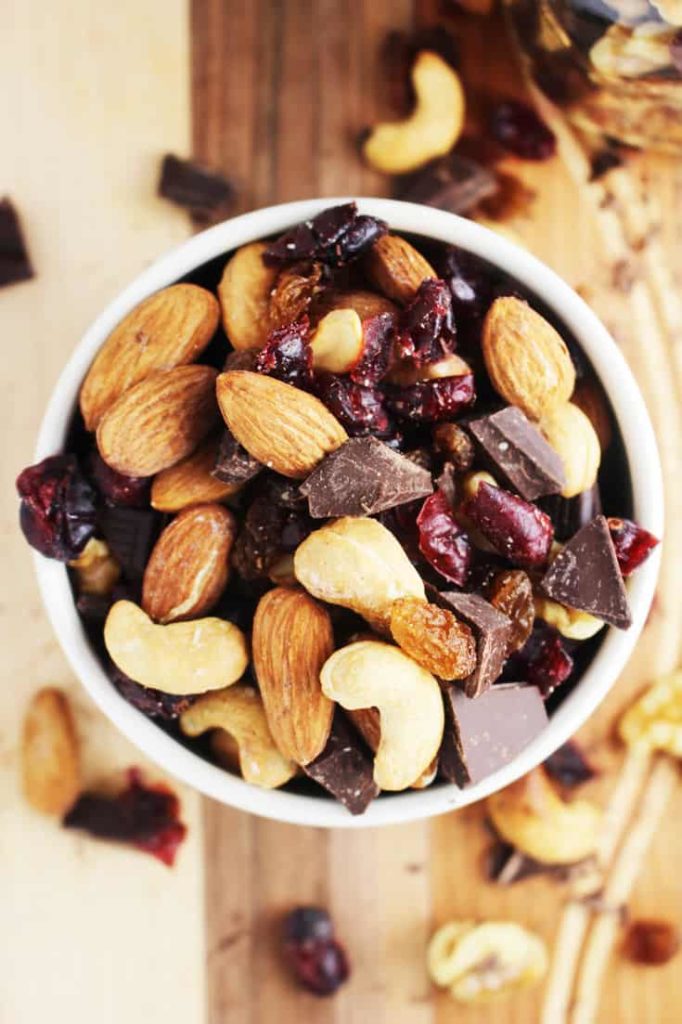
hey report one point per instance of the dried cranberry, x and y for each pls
(568, 766)
(308, 924)
(335, 236)
(117, 489)
(651, 942)
(57, 513)
(402, 522)
(287, 354)
(633, 544)
(143, 816)
(431, 401)
(317, 959)
(520, 129)
(676, 50)
(427, 326)
(514, 527)
(378, 335)
(360, 409)
(442, 541)
(153, 703)
(548, 663)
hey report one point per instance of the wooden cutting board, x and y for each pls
(274, 93)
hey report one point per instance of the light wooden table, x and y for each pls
(273, 93)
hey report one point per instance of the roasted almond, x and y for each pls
(292, 638)
(365, 303)
(50, 757)
(285, 428)
(191, 482)
(396, 268)
(160, 421)
(244, 293)
(188, 569)
(166, 330)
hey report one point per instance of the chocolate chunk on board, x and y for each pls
(363, 477)
(492, 631)
(452, 183)
(15, 264)
(344, 768)
(234, 465)
(505, 865)
(484, 734)
(518, 450)
(585, 575)
(206, 194)
(131, 534)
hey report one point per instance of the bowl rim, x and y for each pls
(641, 452)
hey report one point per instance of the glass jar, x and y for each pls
(616, 67)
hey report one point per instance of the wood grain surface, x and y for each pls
(274, 93)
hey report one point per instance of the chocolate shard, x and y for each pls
(205, 193)
(344, 768)
(570, 514)
(492, 631)
(364, 477)
(15, 264)
(452, 183)
(234, 465)
(484, 734)
(517, 449)
(131, 534)
(585, 575)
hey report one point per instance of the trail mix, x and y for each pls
(332, 517)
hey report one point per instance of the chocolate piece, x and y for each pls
(570, 514)
(206, 194)
(519, 451)
(452, 183)
(234, 465)
(15, 264)
(130, 534)
(506, 865)
(344, 768)
(364, 477)
(492, 631)
(585, 575)
(484, 734)
(568, 766)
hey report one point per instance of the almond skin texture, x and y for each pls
(166, 330)
(397, 269)
(527, 360)
(292, 638)
(244, 293)
(50, 758)
(189, 566)
(191, 482)
(160, 421)
(285, 428)
(365, 303)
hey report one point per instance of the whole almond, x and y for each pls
(160, 421)
(365, 303)
(292, 638)
(396, 268)
(285, 428)
(166, 330)
(191, 481)
(244, 293)
(188, 568)
(50, 757)
(526, 358)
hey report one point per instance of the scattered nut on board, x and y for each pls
(654, 720)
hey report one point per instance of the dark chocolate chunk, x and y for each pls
(506, 865)
(484, 734)
(568, 766)
(15, 264)
(519, 451)
(605, 160)
(363, 477)
(585, 575)
(570, 514)
(452, 183)
(234, 465)
(492, 631)
(130, 534)
(153, 703)
(344, 768)
(206, 194)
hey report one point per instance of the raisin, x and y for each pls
(430, 401)
(434, 637)
(511, 592)
(514, 527)
(520, 129)
(427, 326)
(651, 942)
(318, 961)
(287, 354)
(117, 489)
(296, 288)
(360, 409)
(442, 541)
(455, 444)
(633, 544)
(334, 237)
(57, 513)
(378, 336)
(568, 766)
(275, 523)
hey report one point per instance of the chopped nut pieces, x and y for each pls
(654, 721)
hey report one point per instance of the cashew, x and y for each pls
(571, 623)
(238, 712)
(97, 571)
(244, 294)
(625, 52)
(570, 433)
(181, 658)
(338, 342)
(405, 374)
(358, 564)
(669, 10)
(433, 127)
(654, 721)
(373, 674)
(368, 723)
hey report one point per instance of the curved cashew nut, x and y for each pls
(368, 723)
(373, 674)
(654, 720)
(238, 712)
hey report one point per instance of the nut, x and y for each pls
(97, 571)
(182, 658)
(373, 674)
(486, 961)
(368, 723)
(159, 421)
(49, 753)
(188, 568)
(358, 564)
(291, 640)
(285, 428)
(405, 374)
(338, 343)
(237, 713)
(654, 721)
(571, 623)
(669, 10)
(397, 269)
(589, 396)
(527, 360)
(295, 289)
(432, 128)
(244, 293)
(472, 481)
(166, 330)
(633, 52)
(531, 816)
(568, 430)
(191, 482)
(365, 303)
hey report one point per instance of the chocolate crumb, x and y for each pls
(207, 194)
(15, 264)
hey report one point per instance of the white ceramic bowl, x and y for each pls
(607, 664)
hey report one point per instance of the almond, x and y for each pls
(285, 428)
(166, 330)
(50, 757)
(292, 638)
(526, 358)
(397, 269)
(244, 293)
(188, 569)
(191, 481)
(160, 421)
(365, 303)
